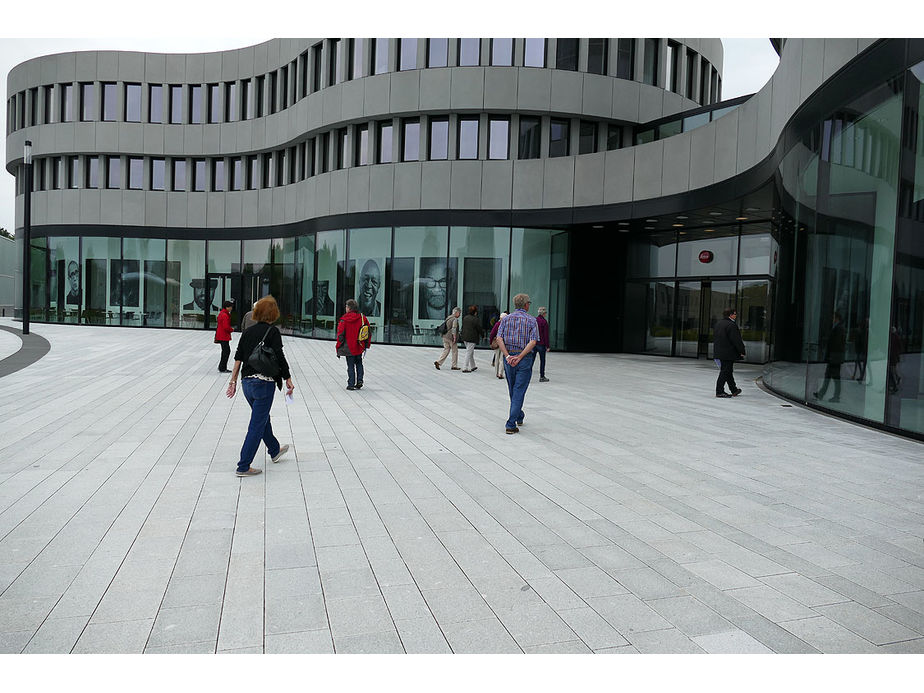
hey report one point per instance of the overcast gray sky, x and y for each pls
(748, 64)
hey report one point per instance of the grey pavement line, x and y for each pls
(33, 348)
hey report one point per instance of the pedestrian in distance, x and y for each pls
(517, 335)
(450, 340)
(498, 361)
(543, 346)
(472, 333)
(223, 335)
(353, 339)
(728, 347)
(259, 387)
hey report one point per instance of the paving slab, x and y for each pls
(623, 518)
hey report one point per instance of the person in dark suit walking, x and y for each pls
(728, 347)
(837, 348)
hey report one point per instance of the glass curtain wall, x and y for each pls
(839, 189)
(479, 258)
(406, 279)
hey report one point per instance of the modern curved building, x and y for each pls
(604, 177)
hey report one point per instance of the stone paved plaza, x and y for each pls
(634, 513)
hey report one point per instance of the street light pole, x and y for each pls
(26, 237)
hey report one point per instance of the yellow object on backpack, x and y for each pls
(363, 330)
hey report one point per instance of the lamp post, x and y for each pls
(26, 237)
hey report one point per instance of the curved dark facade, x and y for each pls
(597, 175)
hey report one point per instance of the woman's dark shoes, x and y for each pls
(350, 387)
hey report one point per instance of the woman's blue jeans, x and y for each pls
(259, 395)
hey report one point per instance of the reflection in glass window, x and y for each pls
(613, 137)
(482, 257)
(502, 51)
(625, 58)
(407, 54)
(246, 101)
(92, 180)
(530, 137)
(214, 103)
(133, 103)
(566, 54)
(437, 52)
(316, 69)
(361, 153)
(198, 171)
(335, 56)
(73, 171)
(142, 281)
(195, 104)
(651, 57)
(188, 295)
(379, 56)
(534, 53)
(469, 52)
(67, 103)
(422, 291)
(158, 174)
(218, 175)
(179, 175)
(498, 138)
(530, 268)
(439, 138)
(597, 49)
(468, 138)
(135, 172)
(87, 102)
(370, 250)
(176, 103)
(559, 135)
(231, 106)
(326, 298)
(356, 58)
(695, 121)
(385, 142)
(253, 172)
(587, 138)
(411, 137)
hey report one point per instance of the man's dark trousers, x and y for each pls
(726, 375)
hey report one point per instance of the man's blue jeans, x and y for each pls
(354, 369)
(259, 395)
(517, 381)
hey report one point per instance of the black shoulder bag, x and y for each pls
(263, 359)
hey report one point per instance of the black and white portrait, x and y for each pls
(320, 302)
(369, 287)
(202, 296)
(437, 287)
(73, 284)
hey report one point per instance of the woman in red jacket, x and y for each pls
(223, 335)
(349, 344)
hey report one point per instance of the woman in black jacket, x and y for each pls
(258, 388)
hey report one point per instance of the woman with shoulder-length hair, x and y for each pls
(258, 387)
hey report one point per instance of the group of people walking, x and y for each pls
(515, 338)
(470, 332)
(261, 364)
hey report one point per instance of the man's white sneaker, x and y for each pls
(282, 451)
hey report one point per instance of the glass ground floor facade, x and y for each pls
(406, 278)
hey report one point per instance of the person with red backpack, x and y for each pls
(353, 338)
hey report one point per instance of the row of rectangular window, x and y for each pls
(328, 151)
(265, 94)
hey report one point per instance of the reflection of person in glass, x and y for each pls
(73, 278)
(320, 303)
(370, 281)
(837, 346)
(435, 281)
(202, 296)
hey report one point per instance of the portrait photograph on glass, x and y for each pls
(368, 291)
(437, 287)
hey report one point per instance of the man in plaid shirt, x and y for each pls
(516, 337)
